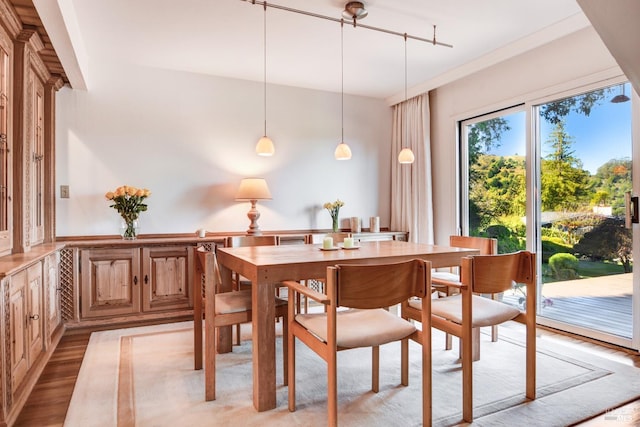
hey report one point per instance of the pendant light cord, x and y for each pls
(265, 67)
(342, 74)
(406, 106)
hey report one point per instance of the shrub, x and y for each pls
(564, 266)
(507, 240)
(553, 246)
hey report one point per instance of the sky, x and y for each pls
(604, 135)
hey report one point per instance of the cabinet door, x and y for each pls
(109, 281)
(35, 320)
(17, 322)
(53, 293)
(166, 278)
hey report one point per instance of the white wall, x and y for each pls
(579, 58)
(190, 139)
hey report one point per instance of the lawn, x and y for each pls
(588, 269)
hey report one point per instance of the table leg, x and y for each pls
(264, 346)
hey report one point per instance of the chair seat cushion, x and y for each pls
(446, 276)
(238, 301)
(359, 328)
(486, 312)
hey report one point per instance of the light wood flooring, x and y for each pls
(47, 405)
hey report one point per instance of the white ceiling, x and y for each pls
(225, 38)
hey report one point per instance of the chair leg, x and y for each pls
(332, 389)
(285, 349)
(291, 370)
(210, 367)
(404, 355)
(375, 368)
(238, 334)
(475, 332)
(494, 333)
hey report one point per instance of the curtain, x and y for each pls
(411, 193)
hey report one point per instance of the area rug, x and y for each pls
(144, 377)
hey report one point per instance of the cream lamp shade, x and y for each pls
(406, 156)
(343, 152)
(265, 147)
(253, 189)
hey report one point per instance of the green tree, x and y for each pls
(555, 112)
(565, 185)
(614, 179)
(485, 135)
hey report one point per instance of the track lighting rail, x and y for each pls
(432, 41)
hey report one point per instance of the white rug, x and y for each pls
(144, 377)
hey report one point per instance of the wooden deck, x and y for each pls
(600, 303)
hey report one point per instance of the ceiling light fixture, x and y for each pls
(620, 97)
(354, 10)
(265, 147)
(406, 155)
(343, 152)
(354, 17)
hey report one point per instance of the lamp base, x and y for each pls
(253, 215)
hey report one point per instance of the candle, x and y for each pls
(348, 242)
(327, 243)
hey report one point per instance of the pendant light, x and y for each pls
(406, 155)
(343, 152)
(265, 147)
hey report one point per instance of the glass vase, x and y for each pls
(336, 225)
(129, 229)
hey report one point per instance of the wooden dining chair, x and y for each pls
(318, 283)
(228, 308)
(365, 291)
(239, 282)
(442, 279)
(458, 314)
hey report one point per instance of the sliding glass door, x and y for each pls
(557, 177)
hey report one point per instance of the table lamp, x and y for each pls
(253, 189)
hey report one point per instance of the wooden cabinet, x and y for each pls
(17, 327)
(28, 336)
(165, 278)
(124, 281)
(110, 282)
(25, 323)
(52, 292)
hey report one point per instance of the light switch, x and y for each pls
(64, 191)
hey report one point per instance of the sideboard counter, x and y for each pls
(10, 264)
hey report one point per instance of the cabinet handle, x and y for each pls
(146, 279)
(135, 280)
(34, 317)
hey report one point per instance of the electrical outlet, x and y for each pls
(64, 191)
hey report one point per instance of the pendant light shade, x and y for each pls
(343, 152)
(405, 156)
(265, 147)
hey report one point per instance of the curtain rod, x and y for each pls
(355, 24)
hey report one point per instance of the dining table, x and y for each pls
(265, 266)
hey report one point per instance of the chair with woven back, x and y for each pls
(458, 314)
(228, 308)
(442, 279)
(363, 292)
